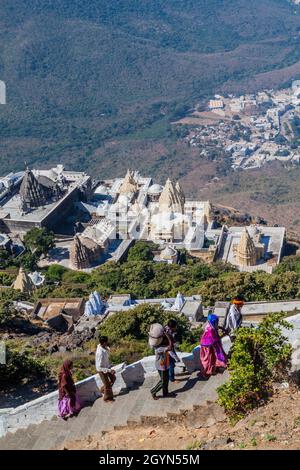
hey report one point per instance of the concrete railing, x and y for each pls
(262, 307)
(45, 407)
(127, 376)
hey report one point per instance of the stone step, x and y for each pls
(129, 408)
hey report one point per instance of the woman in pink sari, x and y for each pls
(212, 355)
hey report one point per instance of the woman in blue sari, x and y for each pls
(212, 355)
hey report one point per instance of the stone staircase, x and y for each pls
(132, 407)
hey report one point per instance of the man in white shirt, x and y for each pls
(103, 367)
(234, 318)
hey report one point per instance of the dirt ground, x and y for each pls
(275, 425)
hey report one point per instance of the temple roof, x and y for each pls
(129, 184)
(180, 191)
(246, 249)
(82, 252)
(170, 199)
(23, 282)
(32, 193)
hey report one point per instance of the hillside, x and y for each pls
(275, 426)
(86, 80)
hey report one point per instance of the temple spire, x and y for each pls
(129, 184)
(170, 199)
(32, 194)
(246, 251)
(24, 283)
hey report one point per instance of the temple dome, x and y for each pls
(155, 189)
(168, 253)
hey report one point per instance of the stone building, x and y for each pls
(42, 198)
(246, 254)
(84, 252)
(172, 198)
(252, 248)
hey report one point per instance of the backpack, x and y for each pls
(156, 334)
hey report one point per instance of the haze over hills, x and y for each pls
(96, 84)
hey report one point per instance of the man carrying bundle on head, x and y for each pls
(170, 331)
(162, 346)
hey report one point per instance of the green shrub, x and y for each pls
(55, 273)
(6, 279)
(75, 277)
(39, 241)
(20, 366)
(135, 323)
(259, 356)
(128, 331)
(29, 261)
(7, 312)
(141, 251)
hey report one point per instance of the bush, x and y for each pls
(6, 312)
(6, 279)
(259, 357)
(290, 263)
(136, 323)
(29, 261)
(39, 241)
(20, 366)
(55, 273)
(253, 286)
(141, 251)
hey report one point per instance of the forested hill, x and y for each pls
(81, 72)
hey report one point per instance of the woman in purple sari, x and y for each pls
(212, 355)
(68, 401)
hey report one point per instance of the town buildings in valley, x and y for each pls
(249, 130)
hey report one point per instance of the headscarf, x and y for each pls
(210, 335)
(213, 320)
(66, 382)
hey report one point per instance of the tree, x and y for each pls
(29, 261)
(141, 251)
(20, 366)
(7, 312)
(39, 241)
(135, 324)
(55, 273)
(259, 357)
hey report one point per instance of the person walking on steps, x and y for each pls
(68, 401)
(104, 369)
(162, 364)
(212, 356)
(170, 331)
(234, 318)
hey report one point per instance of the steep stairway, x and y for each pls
(130, 408)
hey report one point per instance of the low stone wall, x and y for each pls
(45, 407)
(36, 411)
(262, 308)
(127, 376)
